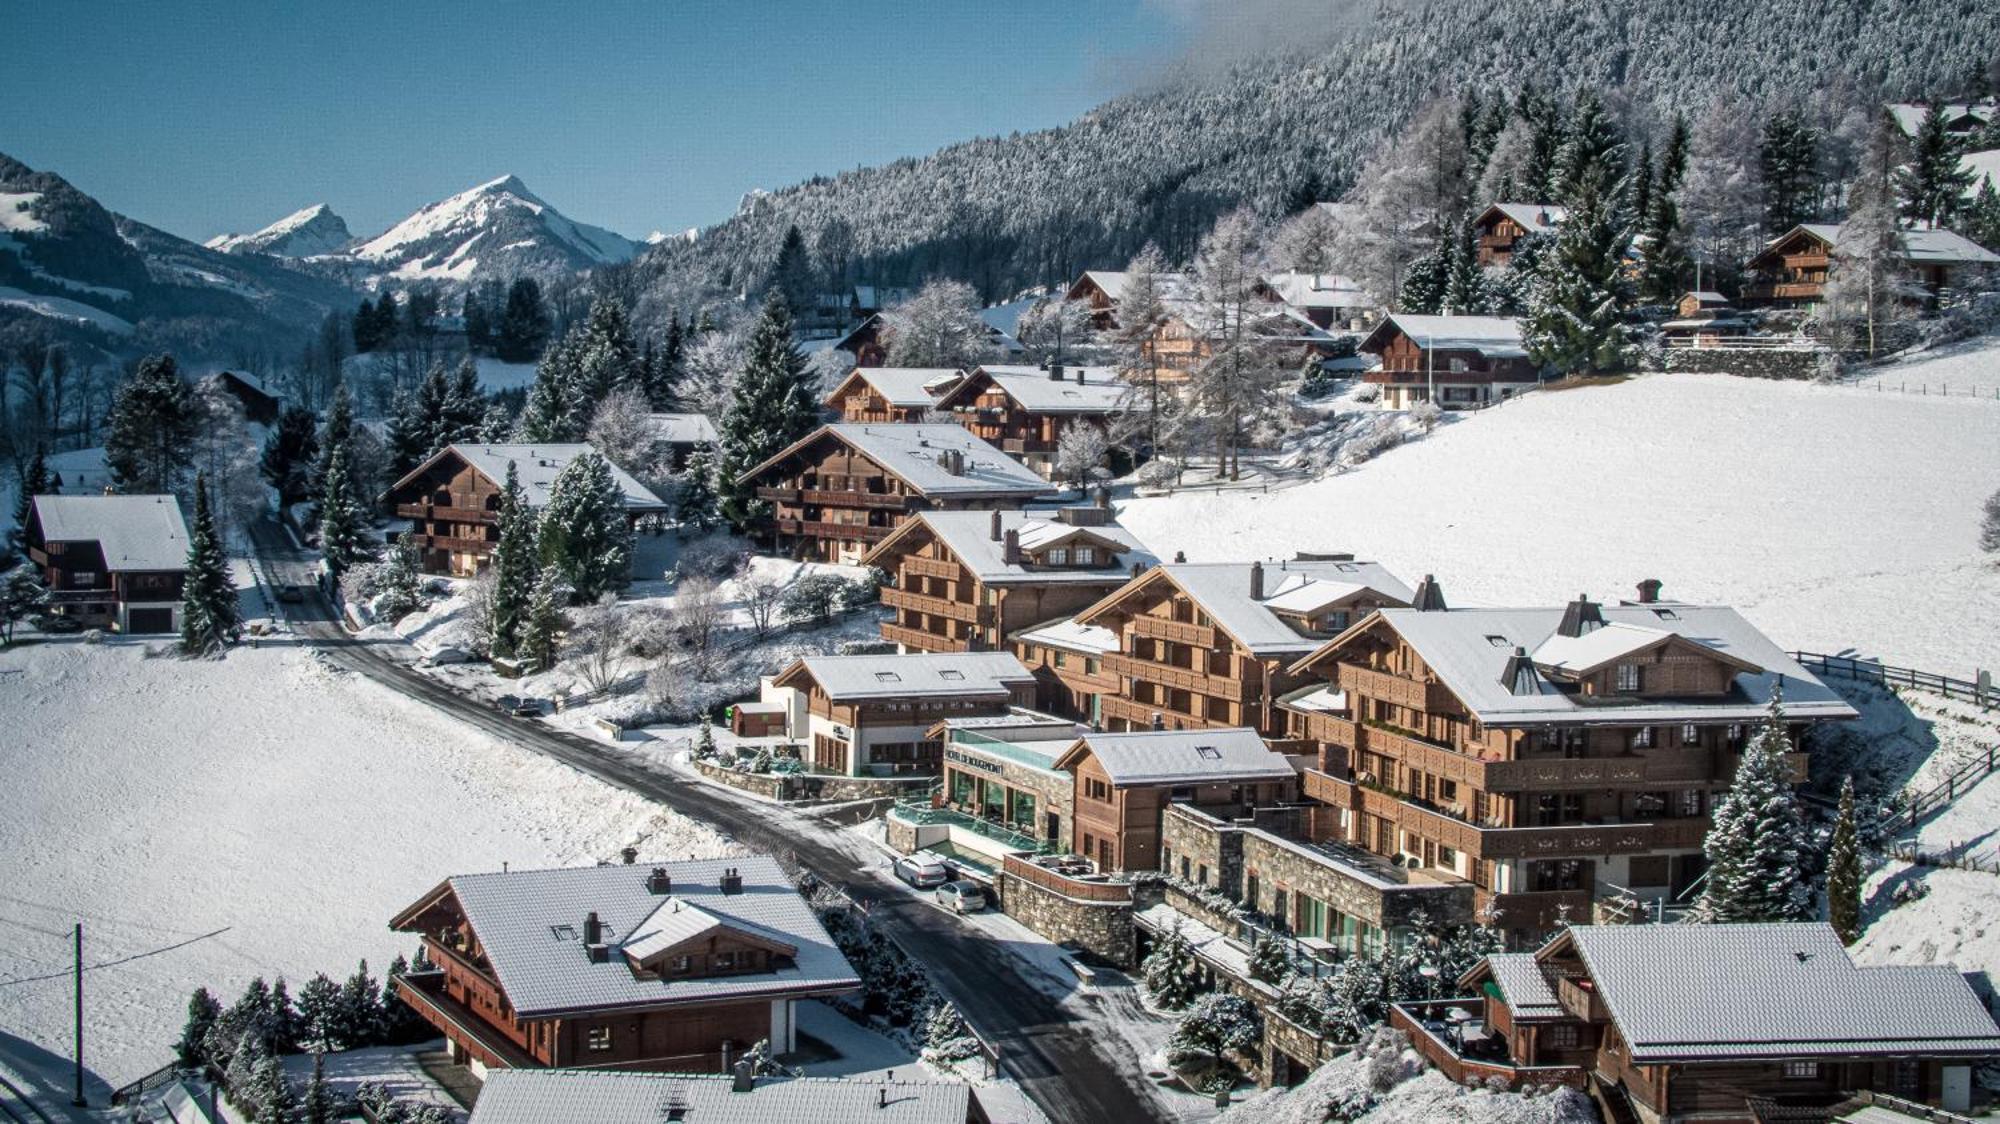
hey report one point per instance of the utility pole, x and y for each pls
(79, 1100)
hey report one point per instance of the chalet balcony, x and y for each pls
(1579, 998)
(1395, 689)
(842, 532)
(932, 568)
(449, 512)
(1328, 789)
(1140, 715)
(1026, 446)
(1454, 1035)
(1180, 632)
(1331, 729)
(81, 596)
(852, 498)
(1806, 261)
(1784, 290)
(426, 994)
(1180, 678)
(1450, 827)
(1537, 911)
(453, 543)
(919, 640)
(936, 606)
(778, 495)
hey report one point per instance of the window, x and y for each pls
(887, 677)
(1628, 678)
(951, 676)
(1086, 556)
(1187, 868)
(1642, 738)
(1690, 734)
(1201, 875)
(724, 961)
(83, 579)
(1060, 661)
(683, 965)
(1563, 1037)
(1447, 858)
(1208, 753)
(597, 1039)
(1059, 556)
(1250, 891)
(1690, 802)
(1801, 1071)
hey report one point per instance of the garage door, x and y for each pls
(150, 620)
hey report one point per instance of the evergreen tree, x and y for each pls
(1788, 160)
(544, 620)
(1934, 182)
(402, 590)
(334, 435)
(1989, 526)
(1673, 158)
(478, 322)
(149, 444)
(553, 412)
(1665, 265)
(1639, 185)
(463, 414)
(22, 596)
(1592, 152)
(1981, 221)
(358, 1015)
(341, 540)
(1753, 844)
(607, 357)
(284, 1019)
(192, 1049)
(1466, 292)
(515, 566)
(1843, 869)
(289, 455)
(35, 481)
(209, 616)
(1578, 293)
(319, 1014)
(277, 1102)
(668, 367)
(1169, 971)
(792, 273)
(400, 1021)
(582, 533)
(1427, 282)
(366, 336)
(318, 1106)
(773, 407)
(699, 508)
(524, 324)
(1269, 960)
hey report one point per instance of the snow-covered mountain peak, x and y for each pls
(498, 229)
(307, 233)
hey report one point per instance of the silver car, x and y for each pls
(962, 897)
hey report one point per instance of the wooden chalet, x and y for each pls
(890, 394)
(679, 434)
(1124, 782)
(1962, 120)
(1559, 760)
(1471, 360)
(845, 487)
(1025, 410)
(1792, 271)
(743, 1097)
(1207, 645)
(1499, 229)
(111, 562)
(258, 405)
(453, 499)
(873, 715)
(967, 580)
(1702, 319)
(1328, 300)
(674, 968)
(868, 341)
(1732, 1024)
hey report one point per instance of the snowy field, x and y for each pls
(1835, 518)
(294, 805)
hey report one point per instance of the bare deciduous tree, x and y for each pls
(761, 598)
(599, 641)
(697, 616)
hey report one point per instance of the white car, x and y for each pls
(962, 897)
(922, 870)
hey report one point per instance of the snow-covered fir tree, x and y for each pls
(1665, 265)
(1578, 296)
(554, 411)
(582, 533)
(1206, 1044)
(1788, 160)
(698, 507)
(289, 455)
(358, 1015)
(1934, 180)
(22, 597)
(1981, 220)
(1169, 971)
(210, 620)
(1427, 281)
(151, 430)
(1753, 846)
(669, 366)
(607, 356)
(1989, 525)
(401, 591)
(1270, 961)
(524, 323)
(319, 1014)
(272, 1093)
(318, 1105)
(336, 433)
(946, 1037)
(342, 541)
(1843, 869)
(191, 1050)
(516, 565)
(35, 481)
(772, 407)
(544, 620)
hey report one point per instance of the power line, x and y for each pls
(120, 960)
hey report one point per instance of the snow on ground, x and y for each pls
(62, 308)
(1384, 1082)
(1835, 518)
(157, 800)
(496, 375)
(1968, 367)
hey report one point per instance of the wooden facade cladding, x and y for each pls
(1417, 694)
(896, 598)
(1152, 671)
(1180, 632)
(921, 640)
(454, 513)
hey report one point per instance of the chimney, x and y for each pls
(743, 1076)
(1138, 568)
(630, 855)
(1010, 550)
(955, 462)
(1256, 581)
(1055, 370)
(732, 881)
(1519, 674)
(593, 929)
(658, 882)
(1104, 496)
(1579, 617)
(1429, 596)
(1649, 591)
(882, 1097)
(1180, 556)
(995, 532)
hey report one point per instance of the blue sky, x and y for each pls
(226, 115)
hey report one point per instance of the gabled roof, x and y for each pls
(1910, 115)
(679, 922)
(542, 1096)
(968, 535)
(1222, 589)
(530, 924)
(1067, 634)
(1495, 337)
(1148, 757)
(903, 387)
(1081, 390)
(973, 675)
(1535, 218)
(1783, 990)
(1523, 986)
(913, 452)
(1617, 640)
(134, 532)
(1319, 290)
(538, 465)
(1113, 282)
(1469, 651)
(683, 429)
(1921, 246)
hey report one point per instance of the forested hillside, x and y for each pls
(1031, 209)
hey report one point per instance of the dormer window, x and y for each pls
(1058, 556)
(1627, 679)
(887, 677)
(1086, 556)
(682, 965)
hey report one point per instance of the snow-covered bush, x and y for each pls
(716, 557)
(946, 1037)
(1270, 961)
(1160, 472)
(813, 598)
(1209, 1044)
(1169, 971)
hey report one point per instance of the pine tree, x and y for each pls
(1673, 158)
(1592, 155)
(22, 596)
(283, 1019)
(34, 482)
(1754, 861)
(463, 413)
(792, 273)
(1427, 282)
(319, 1014)
(607, 357)
(699, 508)
(277, 1102)
(359, 1012)
(341, 540)
(149, 445)
(1169, 971)
(524, 323)
(335, 435)
(773, 407)
(400, 1021)
(1666, 264)
(1269, 959)
(583, 535)
(544, 620)
(210, 620)
(515, 566)
(192, 1049)
(402, 581)
(1466, 292)
(289, 455)
(668, 367)
(1934, 181)
(1843, 869)
(552, 412)
(317, 1107)
(1981, 221)
(1788, 159)
(1578, 292)
(1639, 184)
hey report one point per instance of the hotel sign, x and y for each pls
(964, 758)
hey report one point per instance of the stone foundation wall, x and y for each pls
(811, 786)
(1772, 363)
(770, 786)
(1104, 929)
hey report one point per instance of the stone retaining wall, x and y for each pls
(812, 786)
(1104, 929)
(1762, 363)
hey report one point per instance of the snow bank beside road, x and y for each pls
(159, 799)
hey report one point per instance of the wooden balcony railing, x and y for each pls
(1333, 729)
(1394, 689)
(1215, 686)
(1785, 290)
(451, 542)
(922, 641)
(1580, 999)
(932, 568)
(1336, 792)
(1564, 840)
(841, 532)
(936, 606)
(1140, 715)
(444, 511)
(849, 498)
(1536, 911)
(1180, 632)
(778, 495)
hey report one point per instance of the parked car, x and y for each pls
(962, 897)
(519, 707)
(290, 594)
(922, 870)
(56, 622)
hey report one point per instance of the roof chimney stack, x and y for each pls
(593, 929)
(1649, 591)
(1180, 556)
(1010, 549)
(743, 1076)
(1256, 581)
(1429, 596)
(1055, 370)
(659, 882)
(630, 855)
(995, 532)
(732, 881)
(1579, 617)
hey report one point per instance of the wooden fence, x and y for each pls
(1979, 690)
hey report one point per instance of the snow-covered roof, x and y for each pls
(1985, 168)
(1173, 756)
(134, 532)
(1708, 296)
(1070, 636)
(1114, 281)
(1535, 218)
(917, 675)
(1686, 992)
(1081, 390)
(969, 537)
(903, 387)
(1923, 246)
(538, 466)
(1581, 655)
(1006, 318)
(1519, 977)
(537, 1096)
(914, 452)
(1495, 337)
(1319, 290)
(683, 429)
(1910, 115)
(1469, 651)
(1222, 589)
(530, 924)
